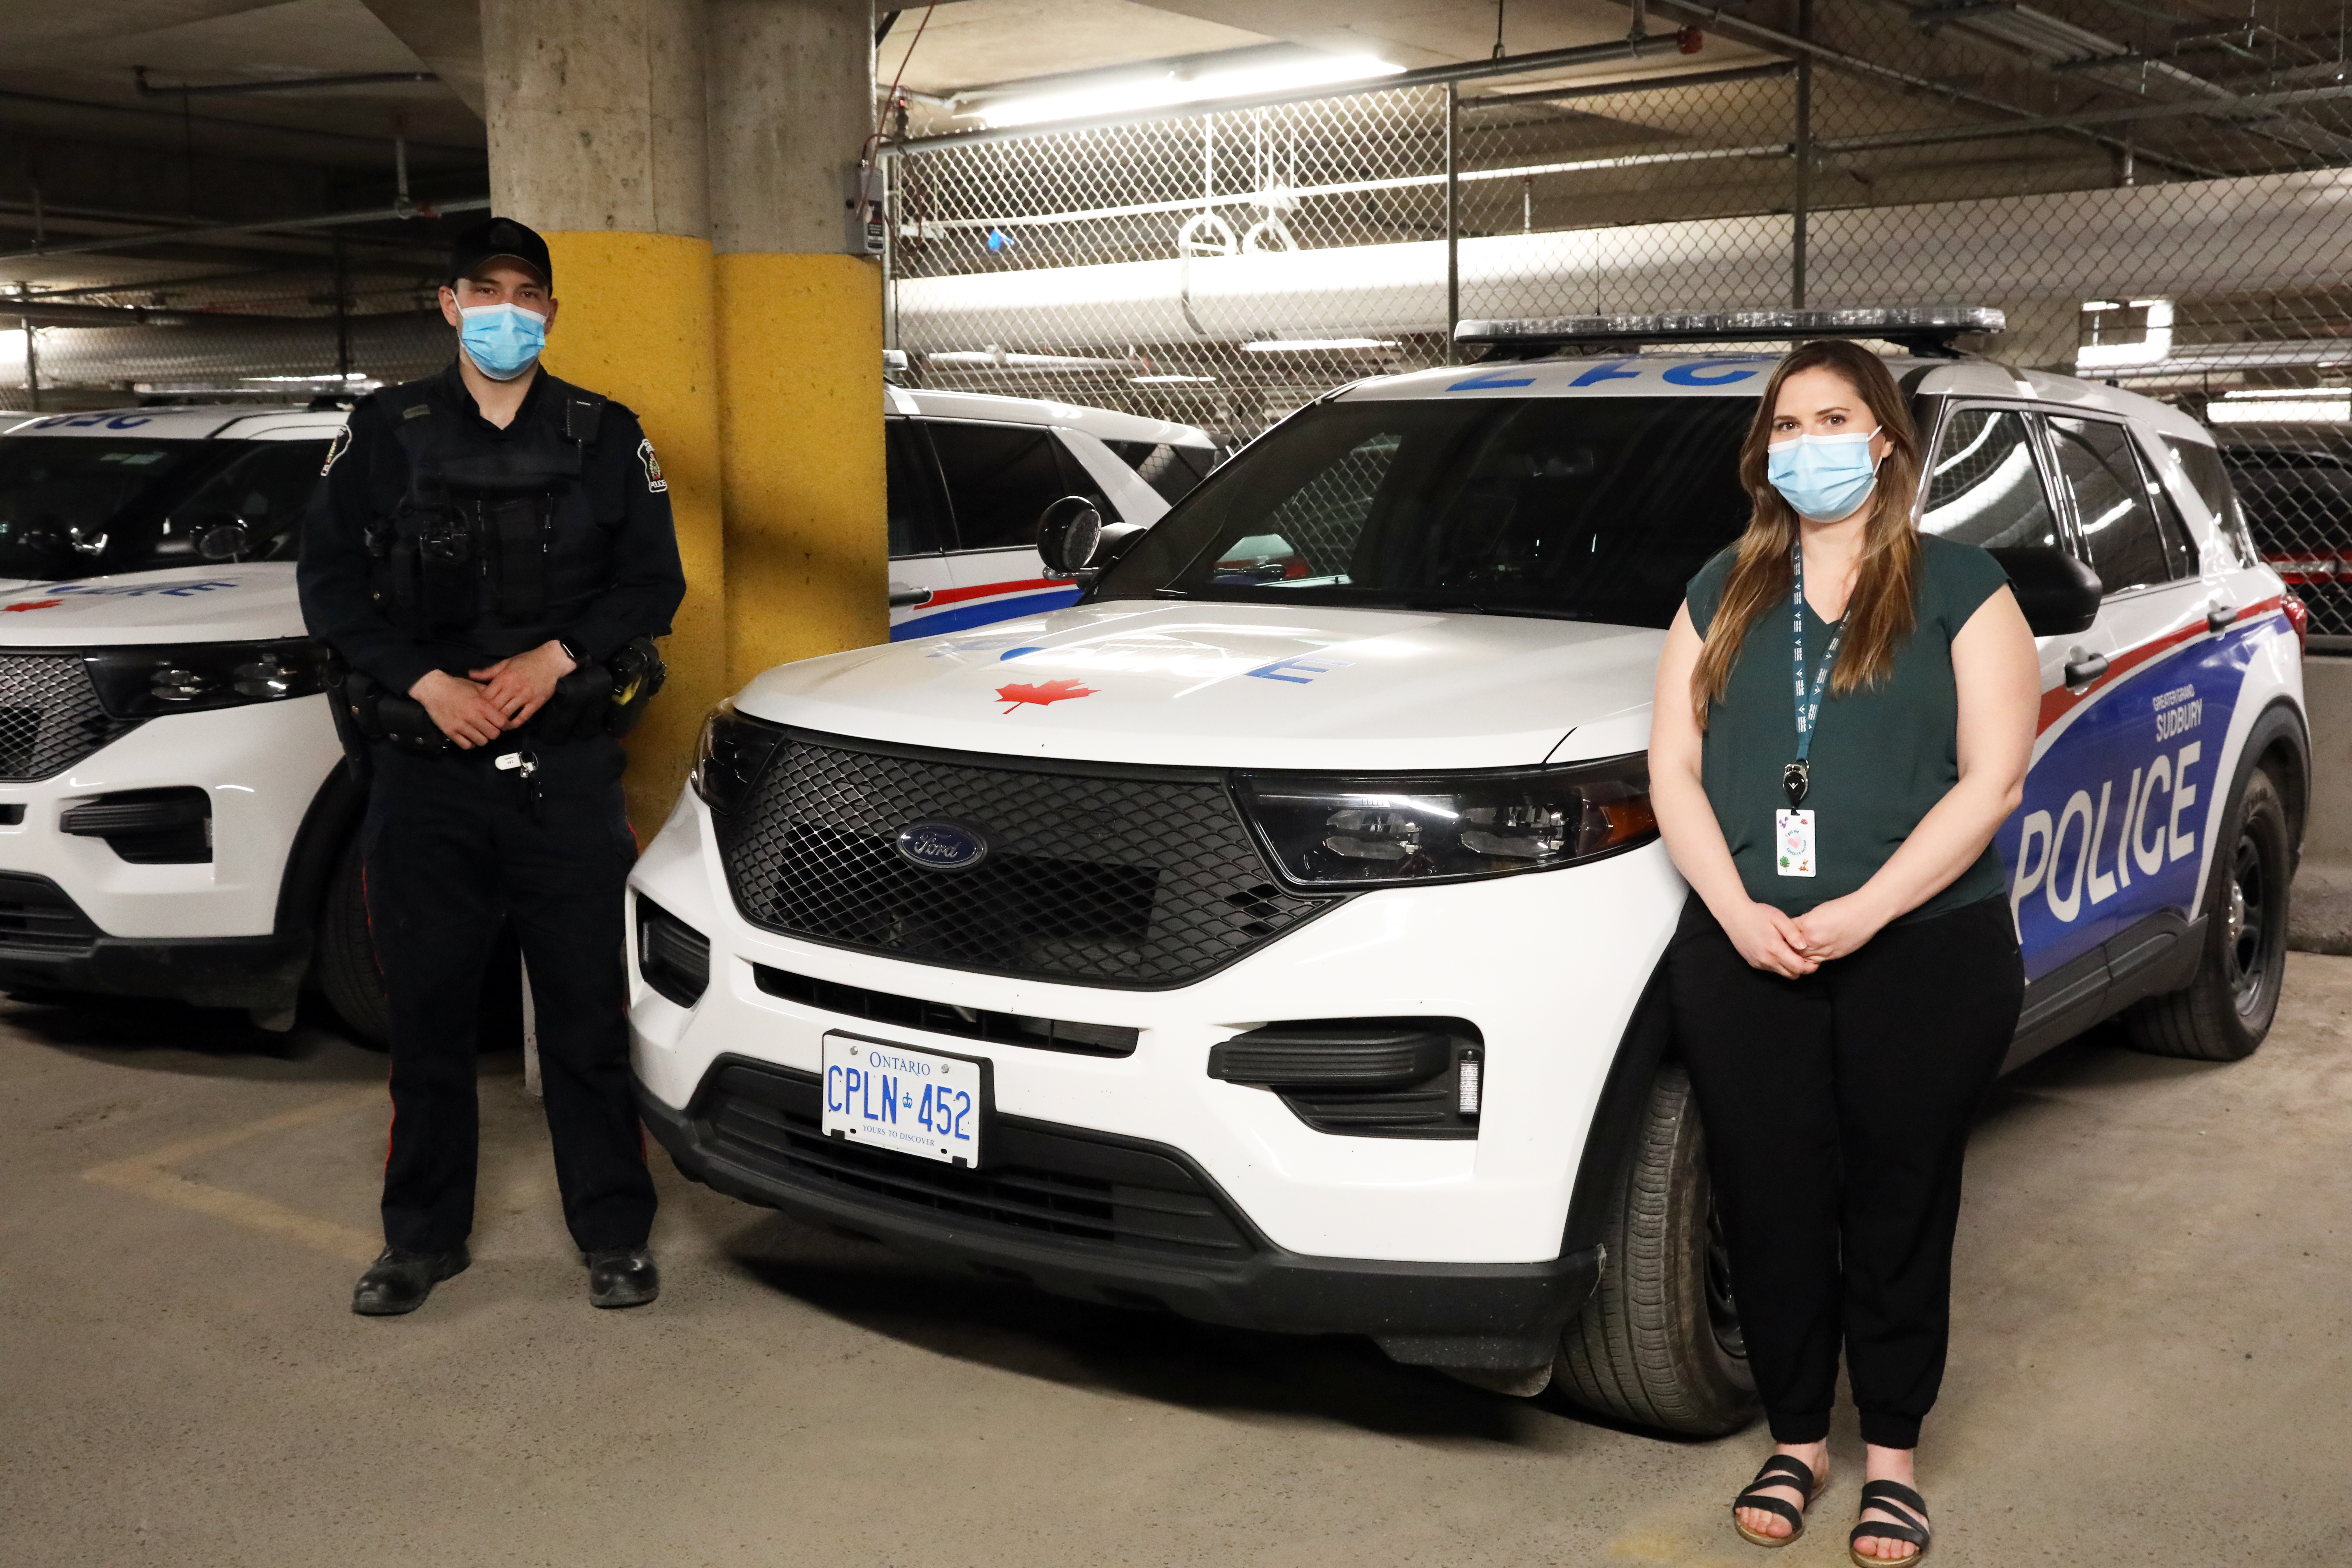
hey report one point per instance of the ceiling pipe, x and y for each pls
(282, 84)
(227, 231)
(1635, 46)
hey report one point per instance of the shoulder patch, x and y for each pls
(654, 480)
(336, 448)
(415, 410)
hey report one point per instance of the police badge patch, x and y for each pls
(336, 448)
(654, 480)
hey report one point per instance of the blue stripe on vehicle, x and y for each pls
(962, 617)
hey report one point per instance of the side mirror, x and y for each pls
(2058, 594)
(1068, 535)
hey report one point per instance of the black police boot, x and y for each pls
(399, 1282)
(621, 1277)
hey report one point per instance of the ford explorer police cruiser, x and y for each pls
(1271, 936)
(173, 819)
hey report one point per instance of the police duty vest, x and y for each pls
(491, 536)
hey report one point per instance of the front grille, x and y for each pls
(947, 1018)
(1130, 877)
(49, 715)
(36, 915)
(1039, 1179)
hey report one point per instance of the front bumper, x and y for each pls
(751, 1133)
(46, 943)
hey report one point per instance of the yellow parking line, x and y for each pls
(150, 1175)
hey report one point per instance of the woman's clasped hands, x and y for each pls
(1795, 945)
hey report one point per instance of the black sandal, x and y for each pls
(1894, 1498)
(1780, 1470)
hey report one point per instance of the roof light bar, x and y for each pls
(1928, 328)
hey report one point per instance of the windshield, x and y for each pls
(1575, 508)
(81, 507)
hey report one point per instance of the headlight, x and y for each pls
(144, 682)
(1383, 832)
(733, 752)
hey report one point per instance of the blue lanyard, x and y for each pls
(1797, 777)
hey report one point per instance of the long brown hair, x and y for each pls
(1880, 613)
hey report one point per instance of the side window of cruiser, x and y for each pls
(1984, 487)
(918, 515)
(1001, 479)
(2128, 544)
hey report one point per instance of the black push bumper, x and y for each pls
(1105, 1219)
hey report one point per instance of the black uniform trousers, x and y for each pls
(453, 845)
(1837, 1108)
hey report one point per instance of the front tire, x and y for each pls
(2222, 1014)
(348, 971)
(1659, 1343)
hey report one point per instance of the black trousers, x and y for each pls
(453, 847)
(1837, 1109)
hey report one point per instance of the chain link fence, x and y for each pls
(288, 334)
(2158, 195)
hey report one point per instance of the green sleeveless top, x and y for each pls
(1882, 756)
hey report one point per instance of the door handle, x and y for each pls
(2081, 672)
(2220, 616)
(906, 598)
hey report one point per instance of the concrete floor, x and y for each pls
(2150, 1363)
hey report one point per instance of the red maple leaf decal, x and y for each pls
(1049, 691)
(36, 605)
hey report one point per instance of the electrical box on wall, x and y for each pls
(862, 189)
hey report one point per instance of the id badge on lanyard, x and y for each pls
(1794, 847)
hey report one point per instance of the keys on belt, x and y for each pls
(525, 765)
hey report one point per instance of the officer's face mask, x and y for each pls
(1825, 477)
(503, 340)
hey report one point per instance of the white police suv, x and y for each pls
(173, 811)
(971, 473)
(1272, 936)
(174, 819)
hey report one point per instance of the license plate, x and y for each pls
(924, 1103)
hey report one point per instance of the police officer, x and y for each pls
(489, 553)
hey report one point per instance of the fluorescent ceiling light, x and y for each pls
(2336, 410)
(2265, 394)
(1159, 379)
(1314, 345)
(1168, 88)
(2153, 349)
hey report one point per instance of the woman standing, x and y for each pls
(1845, 710)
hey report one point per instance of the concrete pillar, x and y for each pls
(800, 331)
(596, 111)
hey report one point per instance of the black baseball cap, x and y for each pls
(500, 237)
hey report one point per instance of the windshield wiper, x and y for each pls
(1480, 607)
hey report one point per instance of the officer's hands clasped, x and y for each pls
(498, 697)
(461, 709)
(519, 685)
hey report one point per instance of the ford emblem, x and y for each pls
(942, 846)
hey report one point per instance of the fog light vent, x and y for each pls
(674, 957)
(1365, 1078)
(148, 826)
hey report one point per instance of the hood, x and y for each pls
(1258, 685)
(184, 603)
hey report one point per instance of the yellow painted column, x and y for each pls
(791, 103)
(596, 111)
(644, 336)
(800, 355)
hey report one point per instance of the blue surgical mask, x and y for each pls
(503, 340)
(1825, 477)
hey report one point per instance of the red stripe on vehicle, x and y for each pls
(958, 595)
(2059, 701)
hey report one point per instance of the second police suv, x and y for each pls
(1272, 936)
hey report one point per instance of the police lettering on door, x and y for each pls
(2110, 830)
